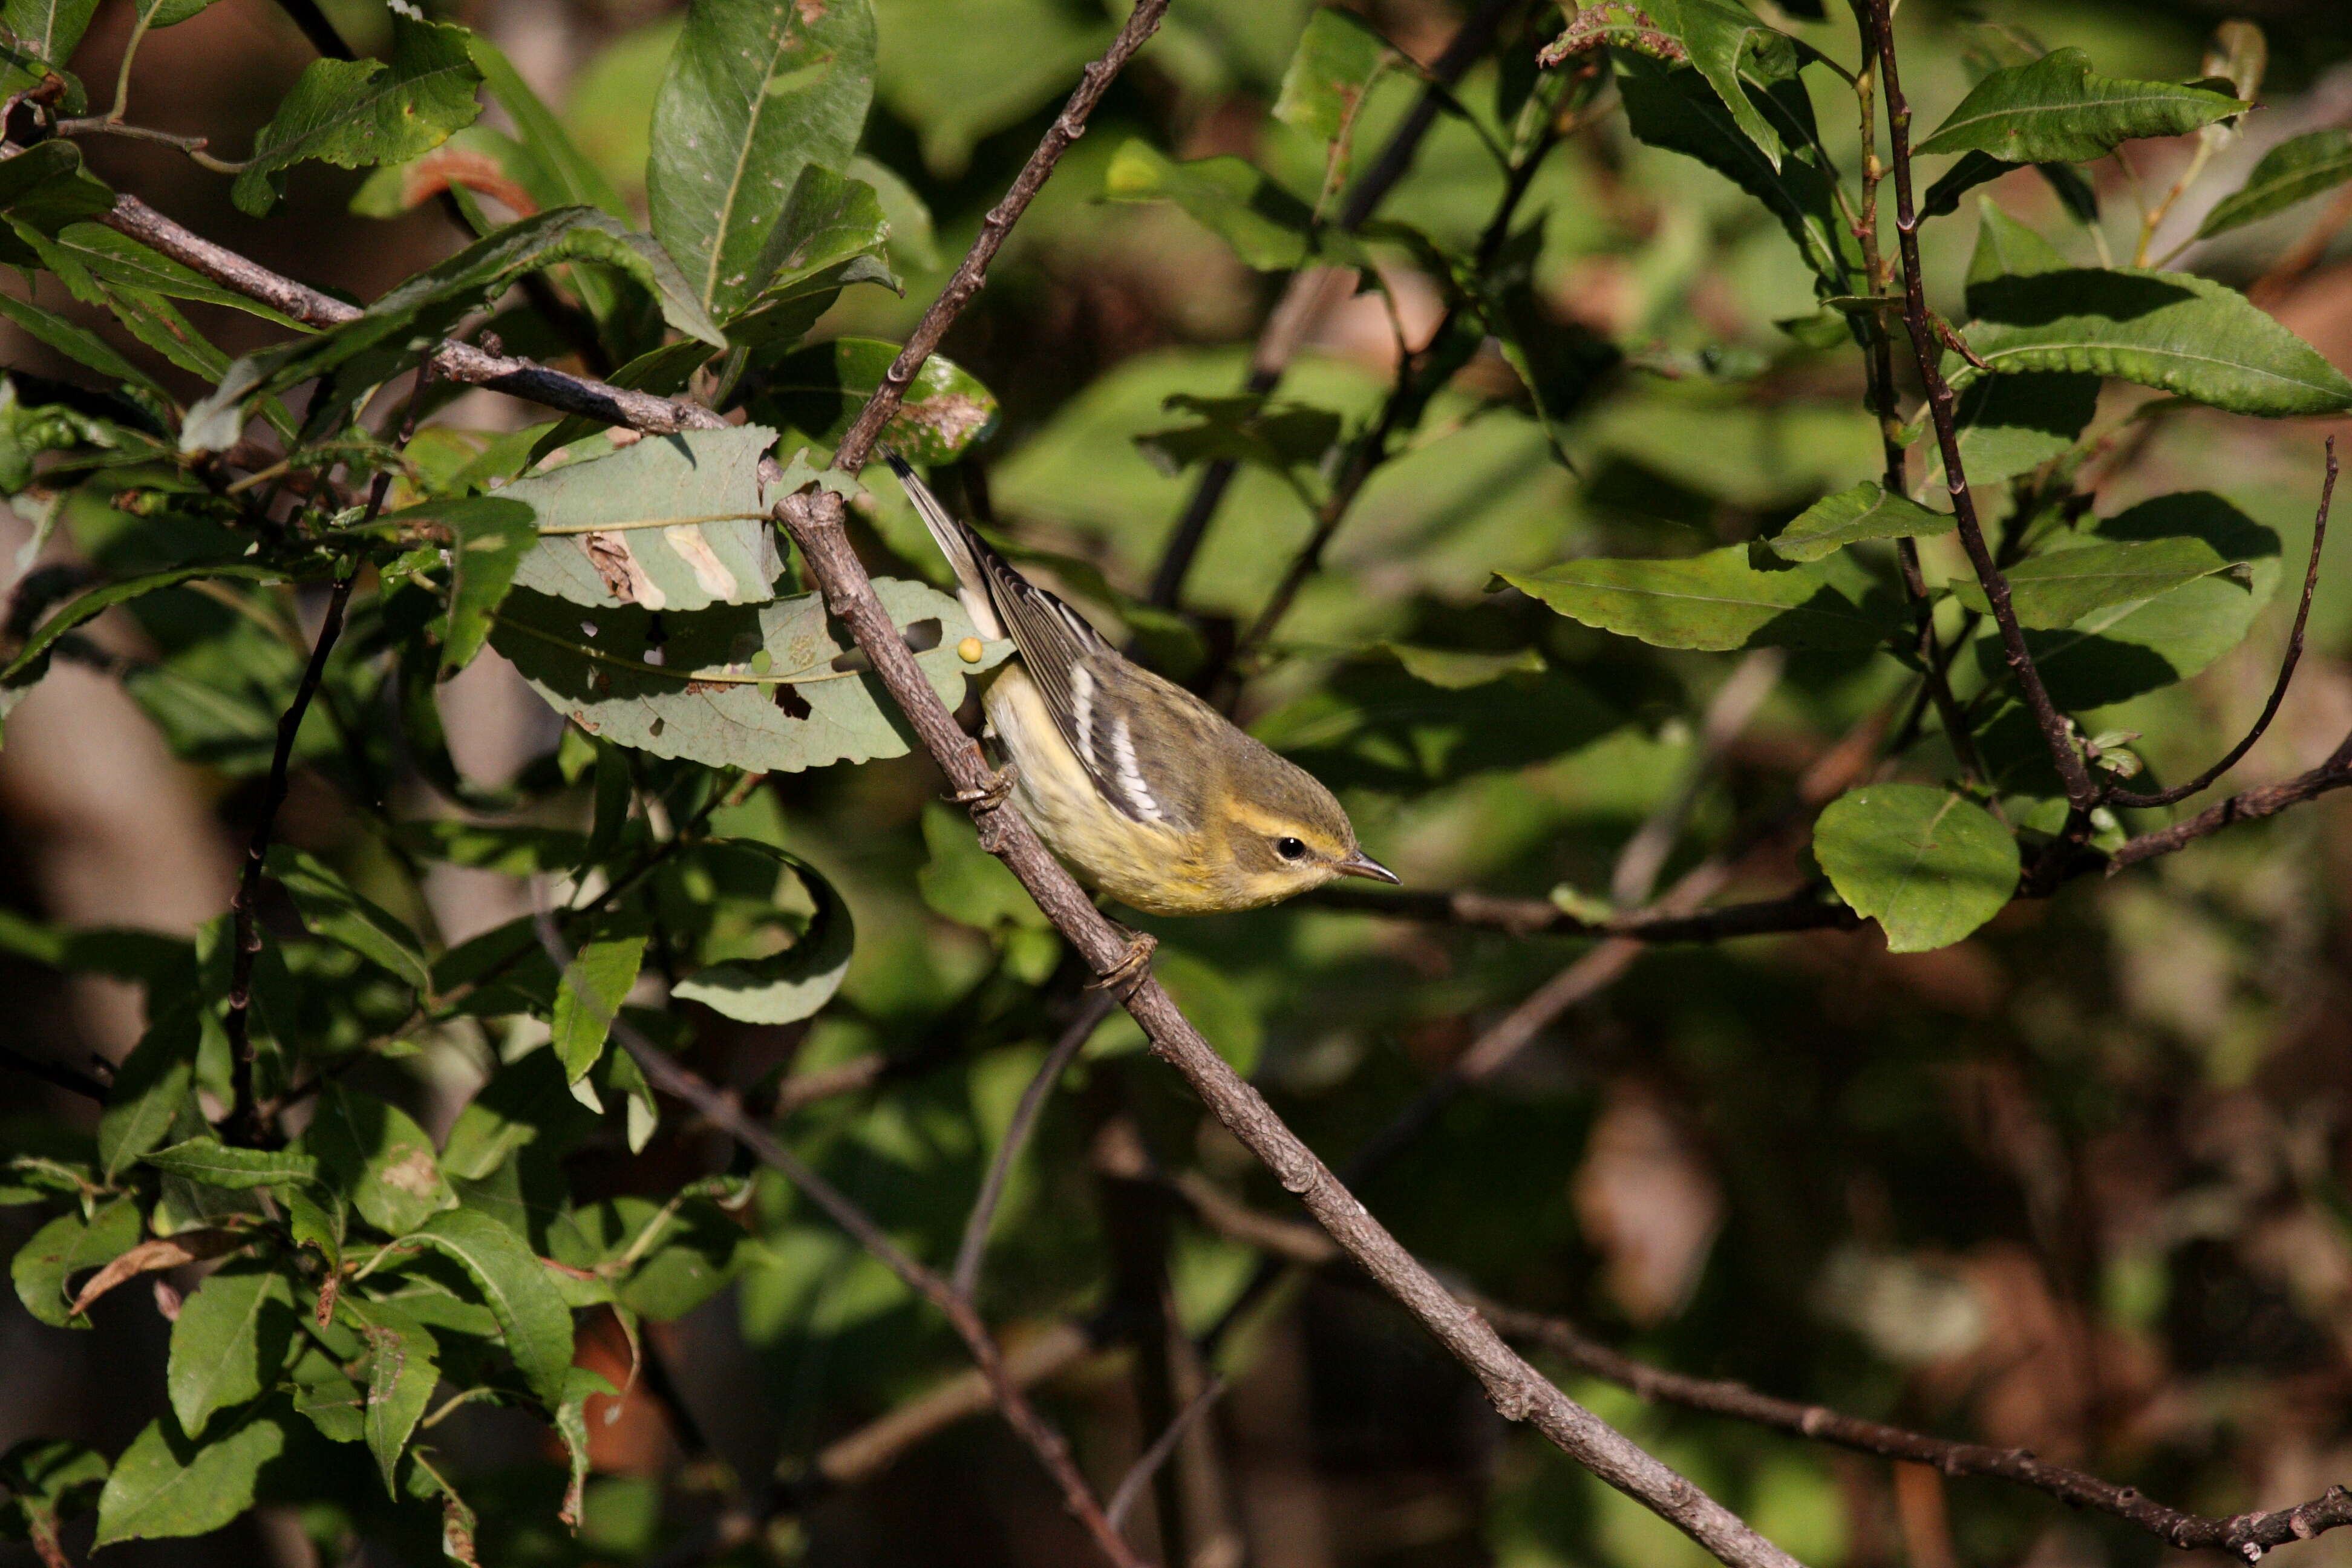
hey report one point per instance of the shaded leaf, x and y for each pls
(164, 1484)
(779, 987)
(1377, 726)
(570, 1419)
(2059, 587)
(48, 30)
(487, 540)
(379, 1159)
(358, 113)
(1245, 429)
(671, 522)
(1927, 865)
(404, 1363)
(1718, 601)
(47, 1479)
(757, 91)
(530, 1311)
(331, 908)
(768, 687)
(229, 1342)
(1865, 511)
(1724, 44)
(2055, 110)
(154, 1087)
(68, 1245)
(2294, 171)
(217, 1165)
(965, 883)
(820, 390)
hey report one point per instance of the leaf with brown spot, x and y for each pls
(167, 1252)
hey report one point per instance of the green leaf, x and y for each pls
(1974, 169)
(2171, 331)
(772, 687)
(672, 523)
(358, 113)
(780, 987)
(330, 1400)
(2010, 424)
(86, 607)
(1377, 725)
(48, 29)
(1267, 227)
(820, 390)
(154, 1087)
(404, 1363)
(83, 347)
(909, 231)
(2294, 171)
(379, 1159)
(164, 1484)
(2134, 648)
(1337, 57)
(85, 256)
(44, 1268)
(594, 983)
(1722, 43)
(331, 908)
(489, 538)
(757, 91)
(965, 883)
(217, 1165)
(1677, 110)
(580, 1385)
(1719, 601)
(1927, 865)
(832, 234)
(1865, 511)
(2056, 111)
(45, 188)
(2059, 587)
(231, 1338)
(530, 1311)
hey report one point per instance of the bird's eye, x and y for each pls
(1290, 849)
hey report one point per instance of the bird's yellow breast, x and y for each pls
(1158, 869)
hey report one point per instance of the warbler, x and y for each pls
(1145, 791)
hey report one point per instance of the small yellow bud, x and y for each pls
(970, 650)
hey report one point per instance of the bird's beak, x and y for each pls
(1362, 864)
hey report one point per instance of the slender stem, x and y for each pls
(194, 146)
(972, 272)
(56, 1073)
(974, 1248)
(130, 53)
(2056, 733)
(1147, 1465)
(2287, 665)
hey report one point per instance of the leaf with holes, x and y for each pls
(1719, 601)
(229, 1342)
(359, 113)
(670, 522)
(2294, 171)
(2056, 109)
(379, 1159)
(1865, 511)
(773, 688)
(757, 91)
(1927, 865)
(2059, 587)
(820, 390)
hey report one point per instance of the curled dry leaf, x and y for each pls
(166, 1252)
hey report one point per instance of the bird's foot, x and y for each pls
(1121, 978)
(984, 803)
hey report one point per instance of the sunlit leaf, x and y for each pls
(165, 1485)
(2059, 587)
(2294, 171)
(1719, 601)
(1865, 511)
(359, 113)
(2055, 110)
(231, 1338)
(1927, 865)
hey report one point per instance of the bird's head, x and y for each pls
(1285, 833)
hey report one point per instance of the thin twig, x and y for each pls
(974, 1248)
(1148, 1463)
(972, 272)
(2286, 666)
(1805, 910)
(720, 1111)
(56, 1073)
(1734, 702)
(2081, 792)
(2250, 805)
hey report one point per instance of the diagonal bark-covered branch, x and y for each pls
(1927, 348)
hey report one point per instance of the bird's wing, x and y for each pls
(1065, 657)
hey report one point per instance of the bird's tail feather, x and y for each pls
(958, 544)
